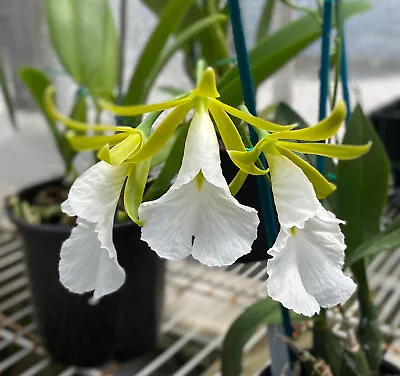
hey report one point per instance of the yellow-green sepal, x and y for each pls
(321, 131)
(229, 133)
(134, 189)
(207, 86)
(76, 125)
(253, 120)
(120, 152)
(142, 109)
(237, 182)
(344, 152)
(322, 187)
(161, 134)
(245, 160)
(81, 143)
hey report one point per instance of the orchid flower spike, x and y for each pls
(305, 272)
(198, 215)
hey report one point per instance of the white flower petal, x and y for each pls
(294, 195)
(201, 153)
(95, 193)
(94, 197)
(225, 230)
(169, 221)
(306, 269)
(85, 266)
(321, 260)
(284, 282)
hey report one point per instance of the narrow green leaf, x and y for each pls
(169, 22)
(6, 93)
(79, 113)
(265, 19)
(181, 39)
(274, 51)
(362, 184)
(37, 82)
(84, 37)
(79, 108)
(284, 114)
(264, 311)
(387, 240)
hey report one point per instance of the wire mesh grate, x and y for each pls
(200, 304)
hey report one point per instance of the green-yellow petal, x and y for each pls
(229, 133)
(327, 150)
(253, 120)
(120, 152)
(321, 131)
(237, 182)
(134, 189)
(207, 86)
(162, 133)
(53, 112)
(245, 160)
(142, 109)
(81, 143)
(322, 187)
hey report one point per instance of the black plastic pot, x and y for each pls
(386, 121)
(248, 195)
(386, 369)
(121, 326)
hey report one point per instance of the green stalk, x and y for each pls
(368, 331)
(219, 43)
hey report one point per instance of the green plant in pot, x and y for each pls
(126, 277)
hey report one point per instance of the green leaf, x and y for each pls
(171, 166)
(169, 22)
(354, 364)
(265, 19)
(262, 312)
(387, 240)
(181, 39)
(6, 93)
(79, 109)
(84, 37)
(156, 6)
(37, 82)
(274, 51)
(173, 91)
(362, 184)
(265, 311)
(284, 114)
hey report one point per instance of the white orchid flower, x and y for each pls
(305, 272)
(199, 215)
(88, 257)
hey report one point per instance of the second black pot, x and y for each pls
(121, 326)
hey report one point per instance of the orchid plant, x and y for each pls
(199, 215)
(196, 213)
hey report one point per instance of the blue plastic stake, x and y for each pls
(265, 194)
(344, 75)
(324, 73)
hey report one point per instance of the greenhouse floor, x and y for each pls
(200, 304)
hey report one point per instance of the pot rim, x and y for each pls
(19, 222)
